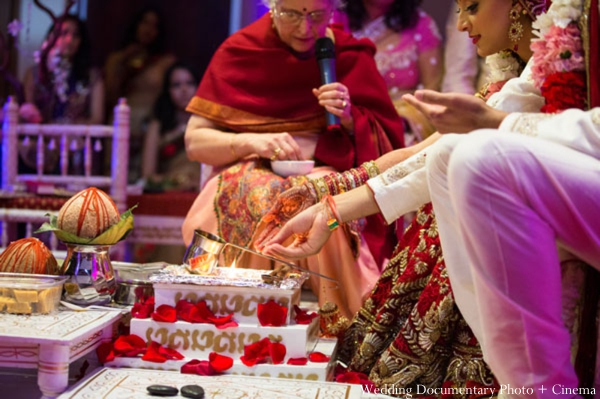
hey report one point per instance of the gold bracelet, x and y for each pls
(372, 168)
(231, 147)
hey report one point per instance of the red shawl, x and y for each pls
(255, 83)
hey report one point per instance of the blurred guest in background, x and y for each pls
(409, 51)
(136, 72)
(67, 90)
(165, 164)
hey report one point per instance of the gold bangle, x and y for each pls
(372, 169)
(231, 147)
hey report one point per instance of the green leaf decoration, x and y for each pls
(110, 236)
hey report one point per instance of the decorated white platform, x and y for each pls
(110, 383)
(199, 340)
(50, 342)
(238, 292)
(313, 371)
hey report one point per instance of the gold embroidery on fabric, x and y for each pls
(402, 169)
(527, 124)
(596, 116)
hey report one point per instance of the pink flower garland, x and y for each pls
(559, 67)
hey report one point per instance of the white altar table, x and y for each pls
(49, 343)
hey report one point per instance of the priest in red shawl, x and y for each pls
(260, 99)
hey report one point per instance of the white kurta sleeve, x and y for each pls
(576, 129)
(402, 188)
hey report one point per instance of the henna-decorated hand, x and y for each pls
(288, 204)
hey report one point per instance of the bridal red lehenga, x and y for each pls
(409, 333)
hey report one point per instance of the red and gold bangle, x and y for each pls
(333, 221)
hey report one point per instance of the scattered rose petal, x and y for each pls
(302, 316)
(297, 361)
(223, 326)
(271, 314)
(153, 354)
(165, 313)
(141, 311)
(129, 346)
(200, 367)
(256, 352)
(220, 363)
(318, 357)
(277, 352)
(170, 354)
(105, 352)
(351, 377)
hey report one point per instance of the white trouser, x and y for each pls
(503, 201)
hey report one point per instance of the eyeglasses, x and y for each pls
(293, 17)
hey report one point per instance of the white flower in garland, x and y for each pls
(503, 66)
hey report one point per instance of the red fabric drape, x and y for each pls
(256, 83)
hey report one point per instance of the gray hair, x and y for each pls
(271, 3)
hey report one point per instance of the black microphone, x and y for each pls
(325, 53)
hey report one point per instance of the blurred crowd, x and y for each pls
(66, 88)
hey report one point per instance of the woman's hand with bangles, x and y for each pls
(309, 229)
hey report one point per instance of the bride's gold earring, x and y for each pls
(515, 31)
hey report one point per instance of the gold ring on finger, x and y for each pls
(344, 103)
(276, 152)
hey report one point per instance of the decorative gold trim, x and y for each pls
(53, 368)
(235, 119)
(584, 26)
(86, 341)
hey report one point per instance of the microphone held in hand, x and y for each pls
(325, 53)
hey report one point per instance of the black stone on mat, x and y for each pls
(192, 391)
(162, 390)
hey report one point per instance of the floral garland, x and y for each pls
(503, 66)
(558, 57)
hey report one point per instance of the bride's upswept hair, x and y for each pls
(403, 14)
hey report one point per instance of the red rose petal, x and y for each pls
(302, 316)
(256, 352)
(170, 354)
(200, 367)
(142, 310)
(297, 361)
(129, 345)
(318, 357)
(105, 352)
(351, 377)
(190, 367)
(183, 309)
(153, 354)
(277, 352)
(165, 313)
(232, 323)
(249, 362)
(271, 314)
(220, 363)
